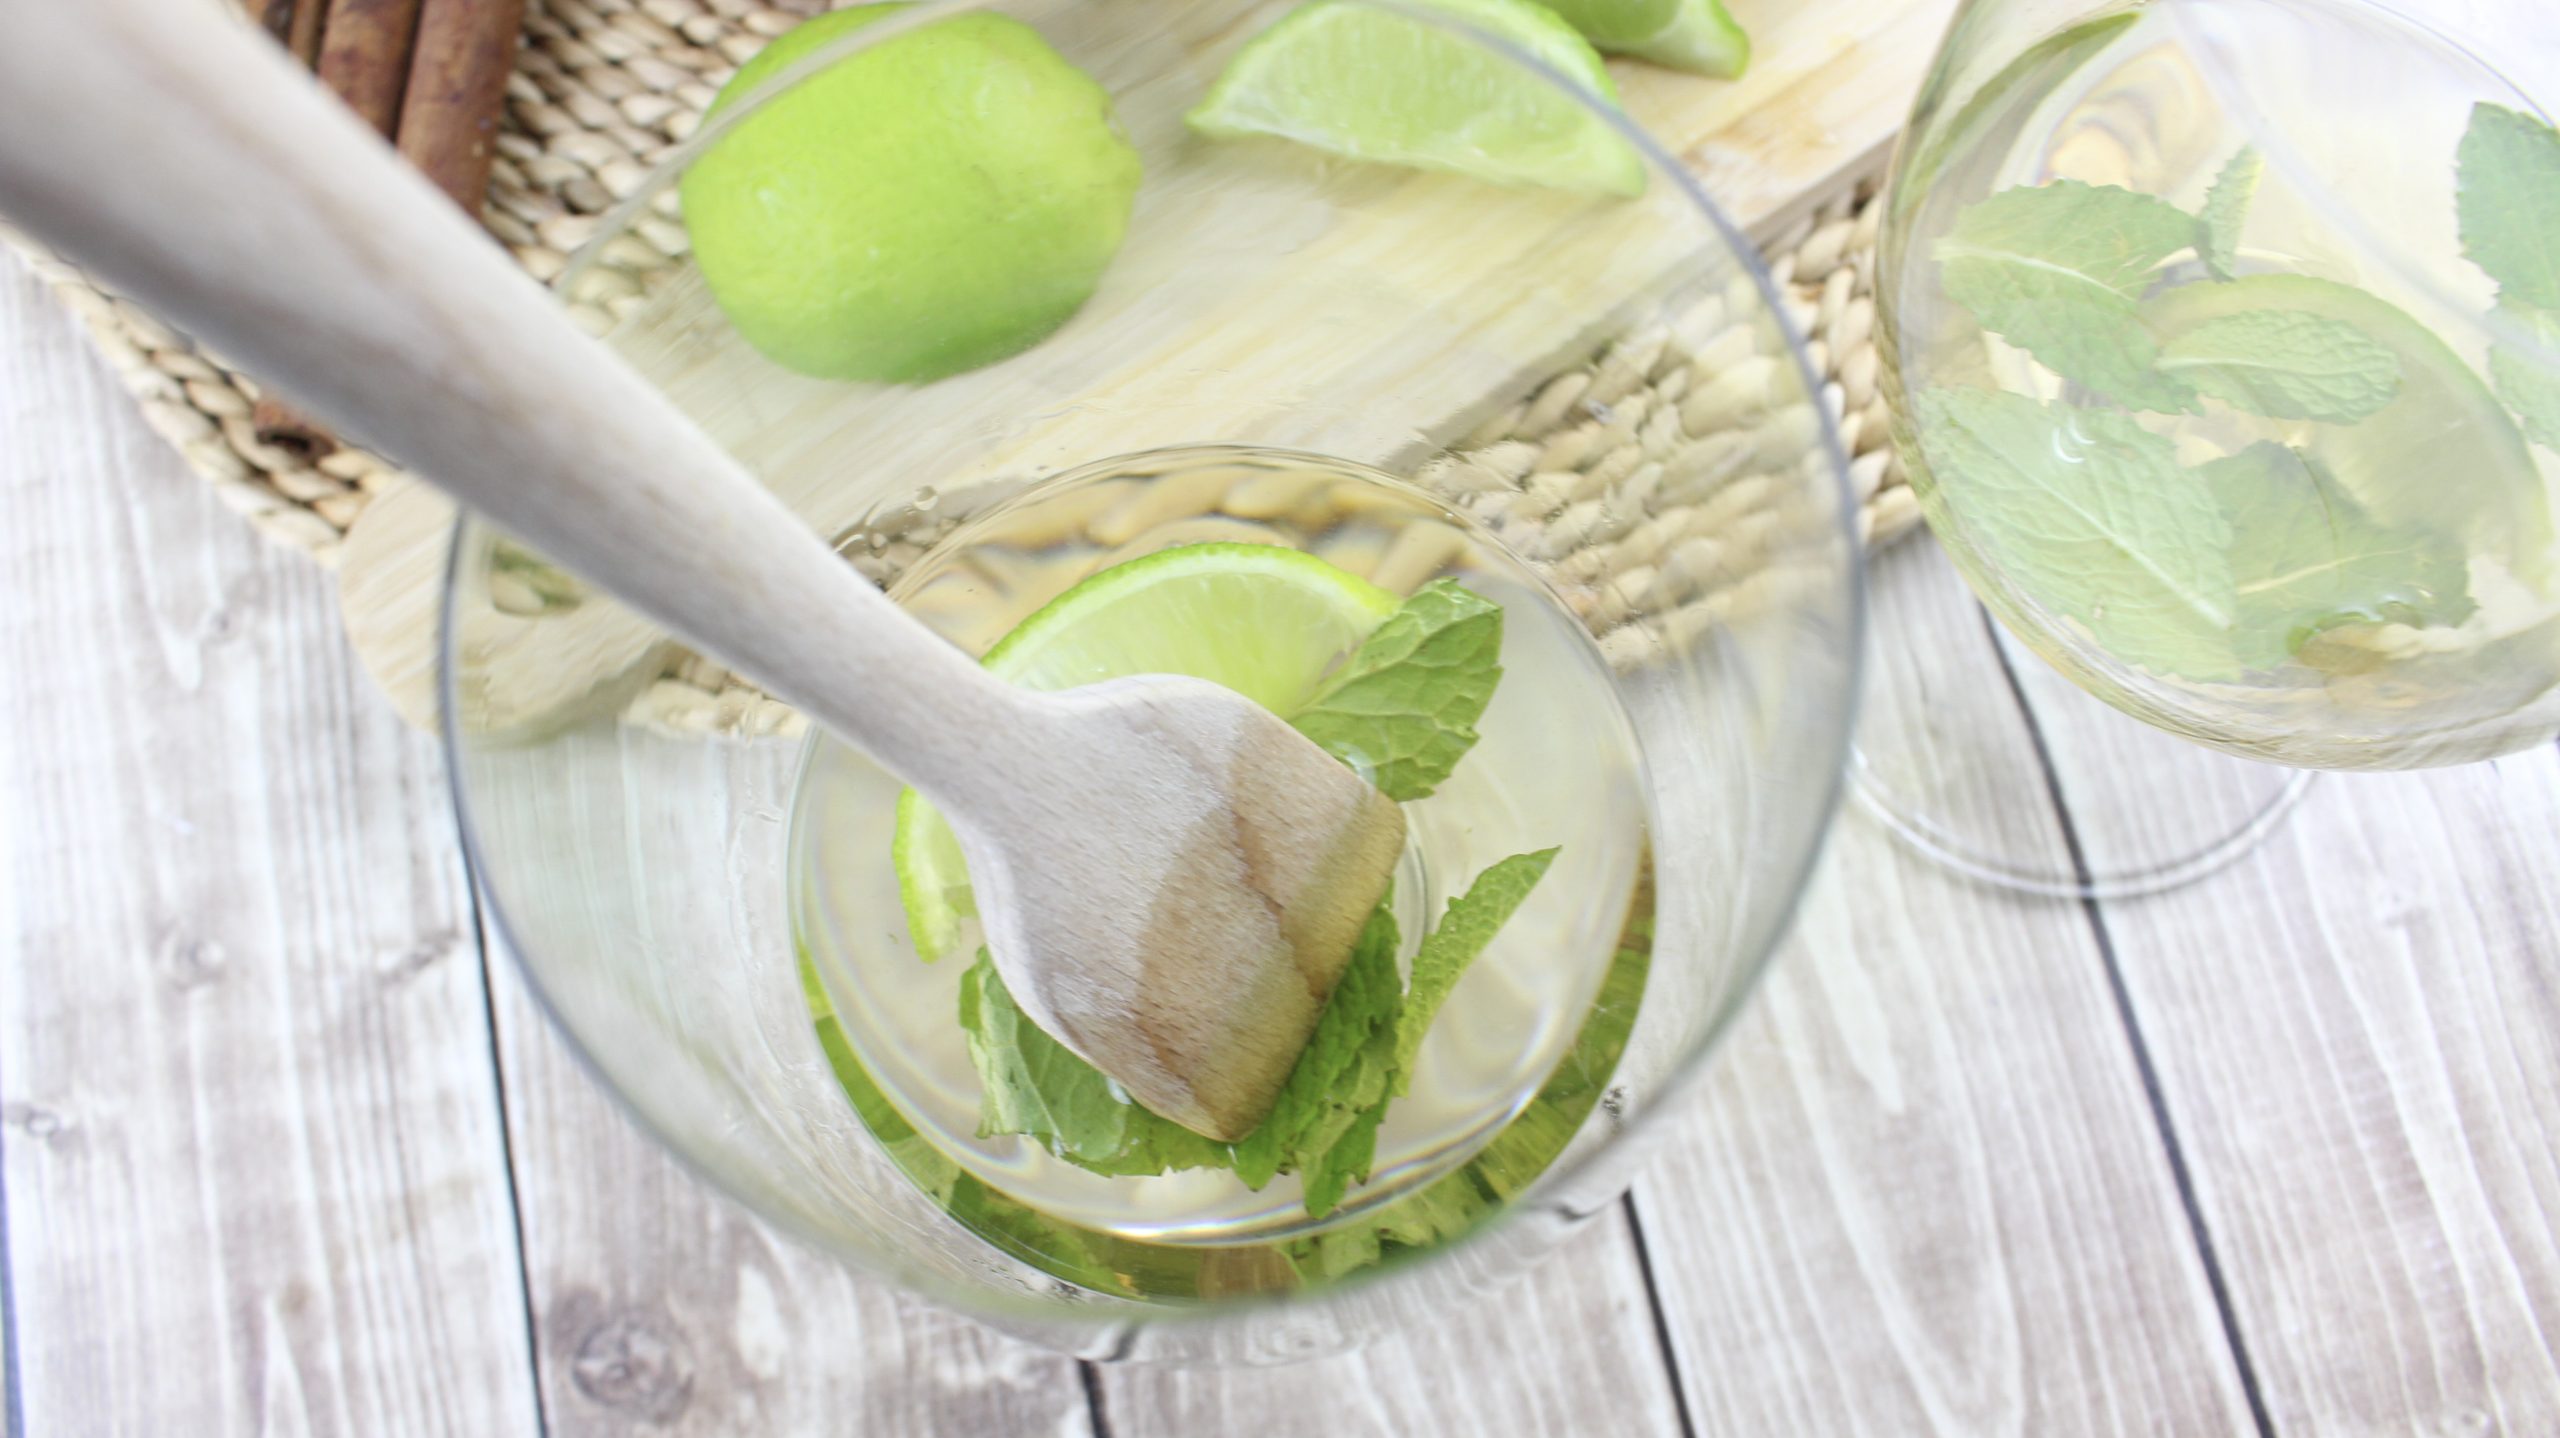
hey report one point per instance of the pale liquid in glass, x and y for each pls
(1557, 765)
(2124, 101)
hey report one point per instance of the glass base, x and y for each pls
(1979, 755)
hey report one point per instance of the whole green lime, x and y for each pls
(936, 203)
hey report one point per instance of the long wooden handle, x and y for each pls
(188, 161)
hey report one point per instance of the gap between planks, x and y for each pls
(2171, 1149)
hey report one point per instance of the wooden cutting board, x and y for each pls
(1205, 355)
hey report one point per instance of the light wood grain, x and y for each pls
(1920, 1193)
(1567, 1350)
(2359, 1042)
(253, 1171)
(662, 1307)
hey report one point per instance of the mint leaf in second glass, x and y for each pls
(2507, 173)
(2226, 211)
(2308, 558)
(2091, 515)
(2057, 270)
(2286, 364)
(2529, 381)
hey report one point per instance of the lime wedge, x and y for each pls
(1695, 35)
(1373, 84)
(1264, 621)
(2441, 456)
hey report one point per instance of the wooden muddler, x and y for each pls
(1169, 876)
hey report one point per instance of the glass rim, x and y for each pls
(1829, 736)
(2272, 140)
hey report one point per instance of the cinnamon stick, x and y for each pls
(275, 17)
(366, 54)
(432, 75)
(457, 92)
(302, 32)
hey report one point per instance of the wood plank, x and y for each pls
(1920, 1191)
(253, 1164)
(661, 1306)
(2357, 1035)
(1568, 1349)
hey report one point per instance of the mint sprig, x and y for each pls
(1403, 708)
(2212, 571)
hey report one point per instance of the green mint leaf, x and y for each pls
(2286, 364)
(2226, 212)
(1465, 928)
(2528, 381)
(2507, 177)
(1032, 1085)
(1335, 1253)
(2444, 454)
(1346, 1068)
(2090, 515)
(1402, 710)
(1443, 1211)
(1027, 1233)
(2309, 558)
(1327, 1176)
(2057, 270)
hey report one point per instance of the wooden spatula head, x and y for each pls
(1200, 874)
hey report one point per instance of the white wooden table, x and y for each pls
(285, 1152)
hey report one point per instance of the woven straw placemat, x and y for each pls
(604, 88)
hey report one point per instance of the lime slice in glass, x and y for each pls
(2441, 456)
(1694, 35)
(1376, 85)
(1264, 621)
